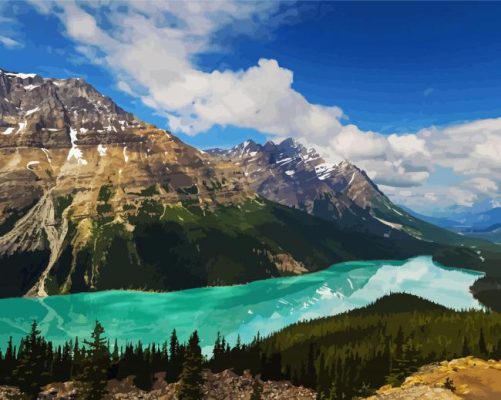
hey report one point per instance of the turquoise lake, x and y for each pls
(263, 306)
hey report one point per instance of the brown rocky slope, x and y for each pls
(92, 198)
(466, 378)
(296, 176)
(225, 385)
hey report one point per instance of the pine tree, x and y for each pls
(190, 387)
(9, 363)
(238, 345)
(143, 376)
(175, 362)
(466, 351)
(217, 353)
(115, 355)
(66, 361)
(310, 378)
(156, 359)
(76, 365)
(93, 379)
(28, 374)
(482, 347)
(126, 363)
(399, 343)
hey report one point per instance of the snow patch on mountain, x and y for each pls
(75, 152)
(32, 111)
(324, 170)
(388, 223)
(20, 75)
(101, 150)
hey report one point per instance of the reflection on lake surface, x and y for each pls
(263, 306)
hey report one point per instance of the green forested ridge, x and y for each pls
(185, 246)
(341, 357)
(352, 353)
(164, 247)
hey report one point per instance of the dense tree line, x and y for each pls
(341, 357)
(37, 362)
(352, 354)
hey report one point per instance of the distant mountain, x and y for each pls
(296, 176)
(444, 222)
(92, 198)
(484, 224)
(485, 220)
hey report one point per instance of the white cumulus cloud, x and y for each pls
(152, 49)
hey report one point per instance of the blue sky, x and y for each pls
(369, 81)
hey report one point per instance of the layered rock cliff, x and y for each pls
(92, 198)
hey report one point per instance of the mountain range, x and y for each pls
(92, 198)
(484, 224)
(291, 174)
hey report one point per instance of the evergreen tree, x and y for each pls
(9, 363)
(466, 351)
(218, 353)
(190, 387)
(482, 346)
(175, 362)
(28, 374)
(126, 364)
(76, 365)
(310, 378)
(143, 376)
(115, 355)
(93, 379)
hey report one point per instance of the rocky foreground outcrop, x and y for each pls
(464, 378)
(221, 386)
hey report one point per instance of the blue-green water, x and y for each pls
(263, 306)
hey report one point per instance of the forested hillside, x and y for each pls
(341, 357)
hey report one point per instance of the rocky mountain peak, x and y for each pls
(248, 147)
(66, 149)
(49, 113)
(297, 176)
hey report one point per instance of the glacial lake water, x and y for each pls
(263, 306)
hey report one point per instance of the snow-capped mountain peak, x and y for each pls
(292, 174)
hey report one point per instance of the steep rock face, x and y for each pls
(296, 176)
(50, 113)
(70, 157)
(91, 198)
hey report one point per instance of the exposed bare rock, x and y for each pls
(69, 154)
(86, 187)
(296, 176)
(79, 175)
(8, 392)
(464, 378)
(221, 386)
(286, 264)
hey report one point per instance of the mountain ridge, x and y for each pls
(92, 198)
(296, 176)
